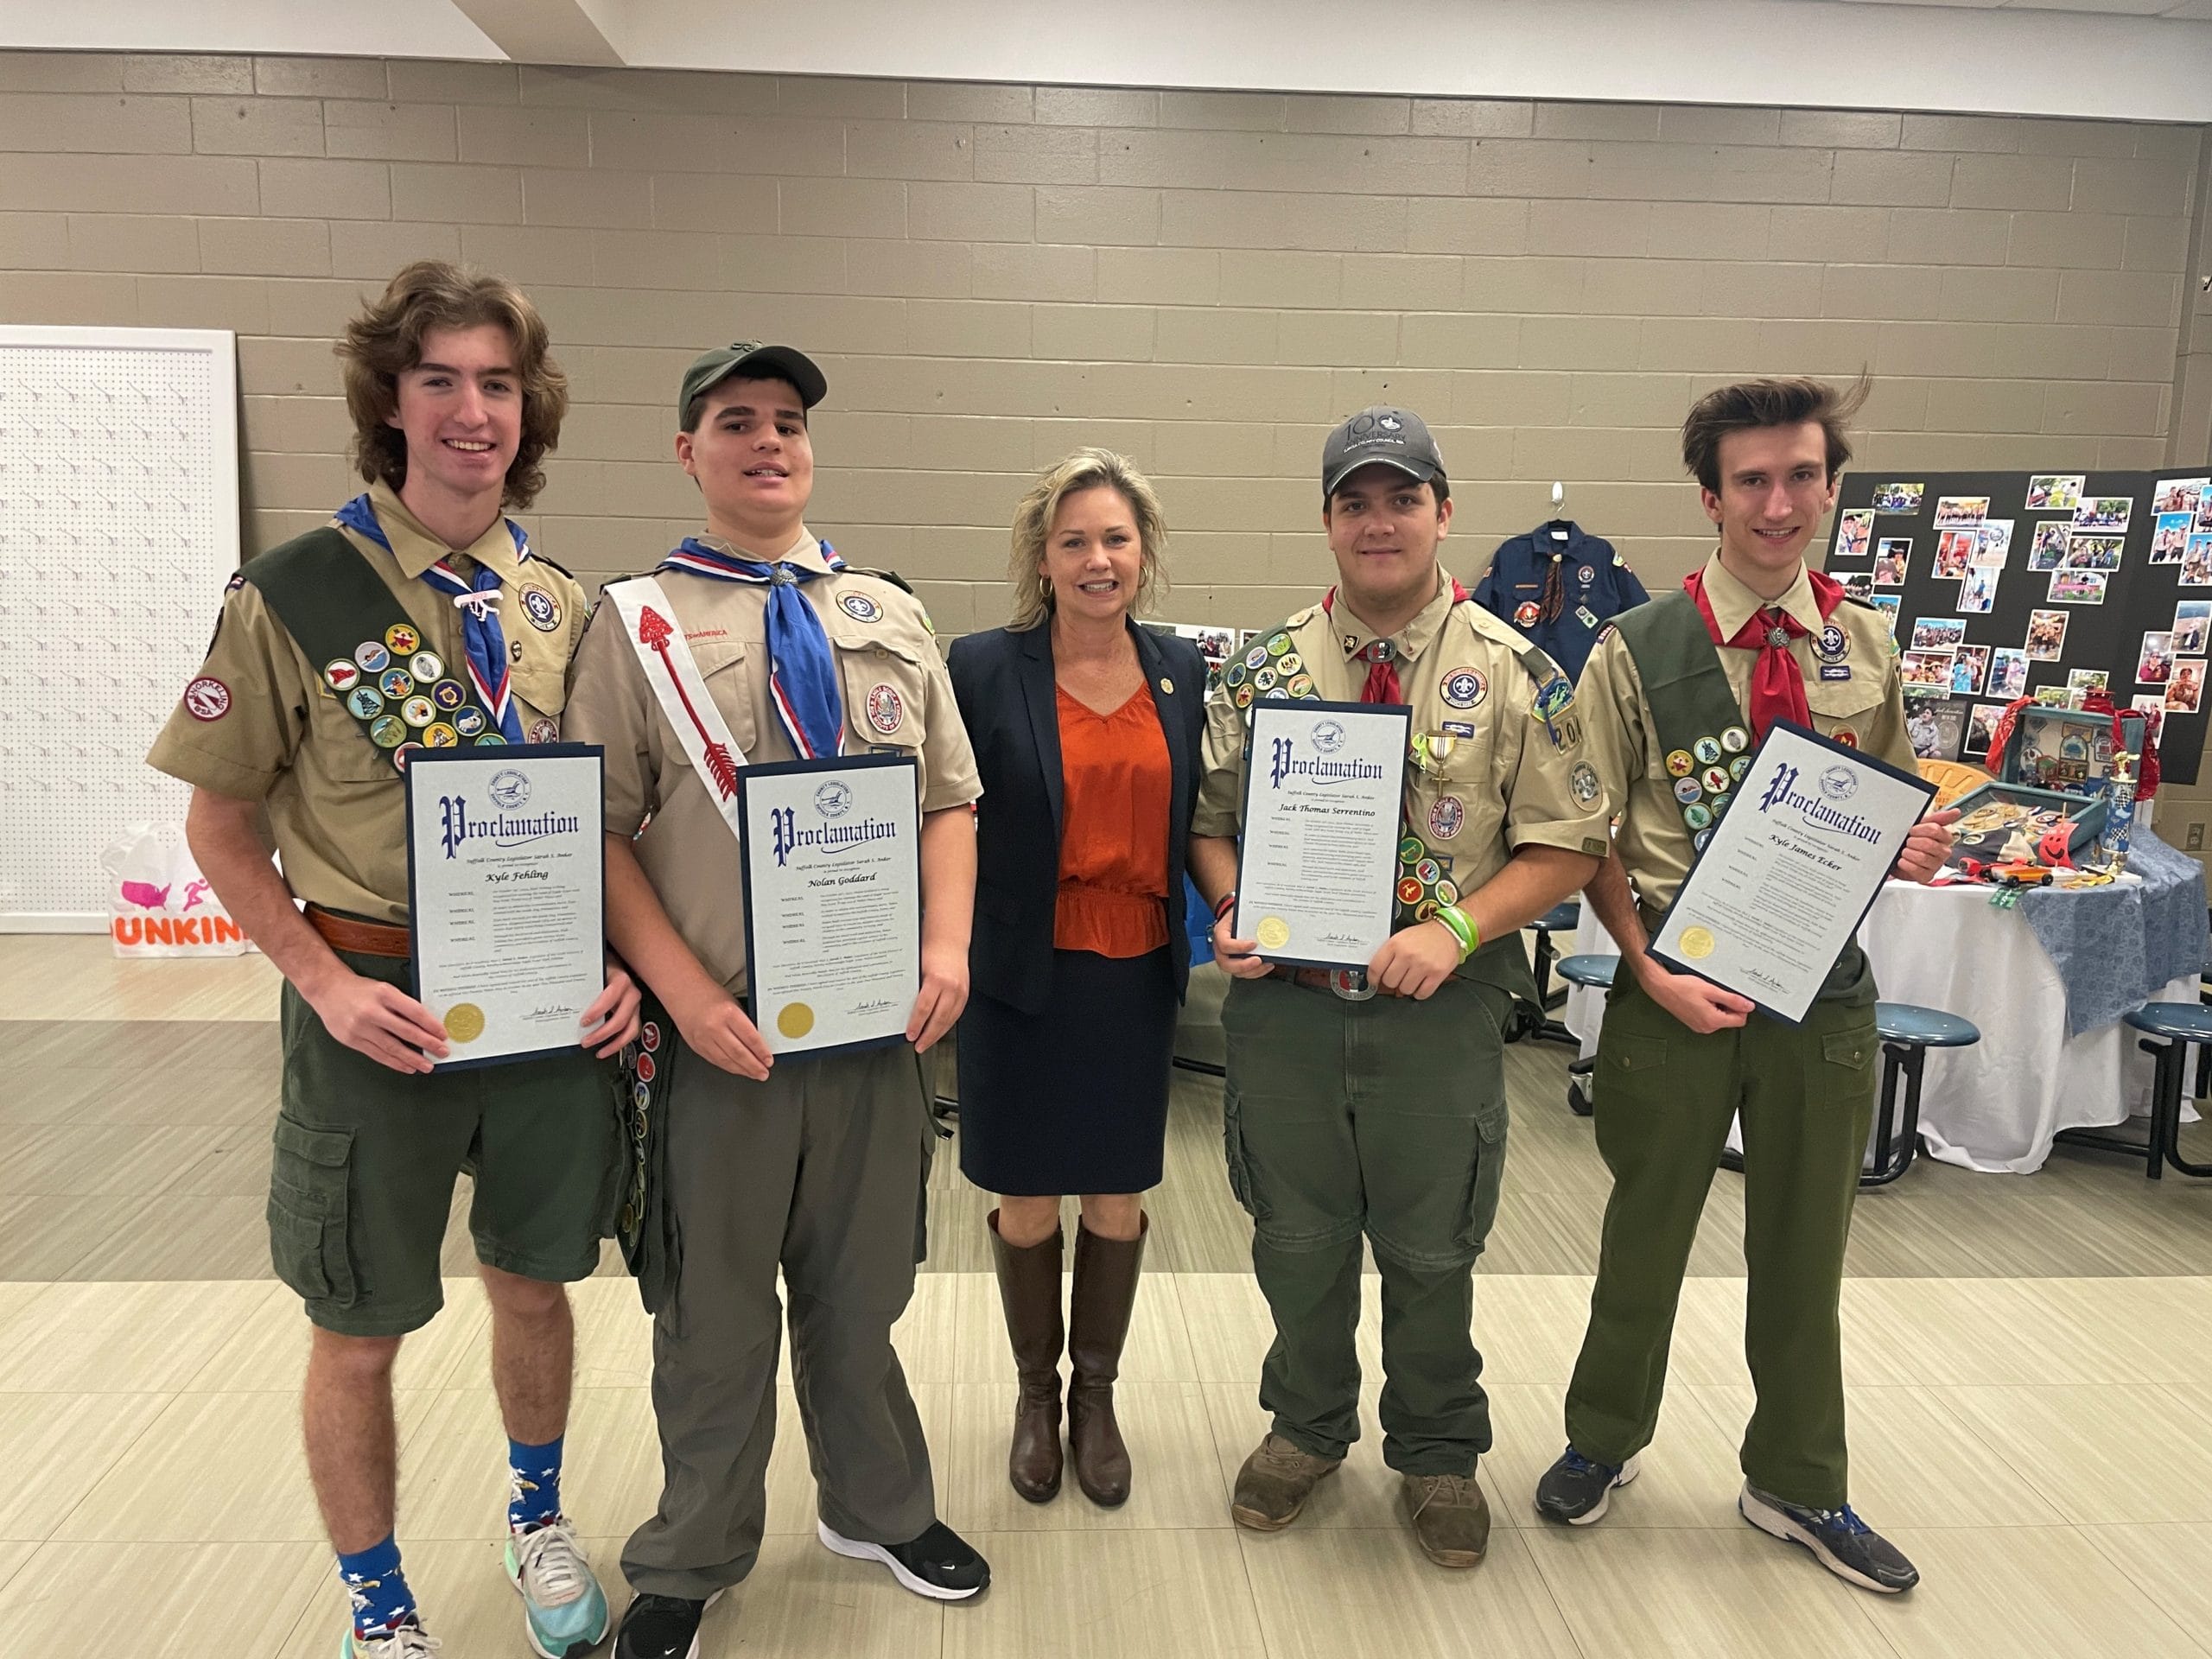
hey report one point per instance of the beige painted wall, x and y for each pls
(992, 274)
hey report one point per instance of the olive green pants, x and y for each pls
(1386, 1120)
(1663, 1098)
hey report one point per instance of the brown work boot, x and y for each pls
(1274, 1482)
(1029, 1285)
(1450, 1517)
(1099, 1306)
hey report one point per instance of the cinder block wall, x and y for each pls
(993, 273)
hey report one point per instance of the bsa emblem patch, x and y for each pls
(1582, 783)
(859, 608)
(206, 698)
(403, 639)
(1585, 575)
(885, 712)
(342, 675)
(542, 608)
(1833, 645)
(1447, 817)
(1463, 687)
(545, 731)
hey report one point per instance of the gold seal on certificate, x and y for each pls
(504, 871)
(833, 901)
(1791, 871)
(1318, 863)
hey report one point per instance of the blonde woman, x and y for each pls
(1086, 729)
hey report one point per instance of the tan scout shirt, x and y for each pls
(336, 803)
(1867, 709)
(898, 699)
(1496, 781)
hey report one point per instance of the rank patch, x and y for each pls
(886, 711)
(545, 731)
(1447, 816)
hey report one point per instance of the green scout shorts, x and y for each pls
(361, 1184)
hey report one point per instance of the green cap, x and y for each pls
(756, 361)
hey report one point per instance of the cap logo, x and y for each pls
(1388, 422)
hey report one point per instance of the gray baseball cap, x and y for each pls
(1391, 437)
(757, 361)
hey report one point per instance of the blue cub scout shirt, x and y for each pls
(1594, 584)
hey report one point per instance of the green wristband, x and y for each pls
(1462, 928)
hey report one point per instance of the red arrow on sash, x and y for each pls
(654, 632)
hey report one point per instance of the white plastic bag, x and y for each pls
(159, 904)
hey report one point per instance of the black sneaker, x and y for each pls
(1840, 1540)
(939, 1564)
(662, 1627)
(1576, 1490)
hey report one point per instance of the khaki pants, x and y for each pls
(820, 1170)
(1385, 1120)
(1664, 1095)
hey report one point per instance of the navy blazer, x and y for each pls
(1003, 682)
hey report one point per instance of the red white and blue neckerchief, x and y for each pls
(802, 668)
(483, 642)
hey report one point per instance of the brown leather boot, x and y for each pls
(1098, 1320)
(1029, 1285)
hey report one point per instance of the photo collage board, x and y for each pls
(2045, 585)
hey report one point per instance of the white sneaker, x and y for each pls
(565, 1610)
(408, 1642)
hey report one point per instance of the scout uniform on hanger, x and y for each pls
(1559, 585)
(1349, 1114)
(723, 657)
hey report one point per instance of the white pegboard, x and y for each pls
(118, 527)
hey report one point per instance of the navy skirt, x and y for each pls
(1073, 1098)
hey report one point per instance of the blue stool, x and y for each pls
(1908, 1031)
(1593, 972)
(1534, 1020)
(2182, 1025)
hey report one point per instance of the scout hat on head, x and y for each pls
(1393, 437)
(756, 361)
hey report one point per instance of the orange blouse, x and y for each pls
(1114, 781)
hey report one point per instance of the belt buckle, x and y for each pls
(1351, 984)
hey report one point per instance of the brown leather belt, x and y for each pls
(1317, 979)
(362, 938)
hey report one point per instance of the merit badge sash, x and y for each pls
(673, 674)
(368, 651)
(647, 1228)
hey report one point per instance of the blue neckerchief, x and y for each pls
(481, 637)
(802, 668)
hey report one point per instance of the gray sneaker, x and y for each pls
(1840, 1540)
(1577, 1490)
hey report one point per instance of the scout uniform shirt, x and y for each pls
(1559, 585)
(259, 722)
(1663, 789)
(897, 697)
(1488, 775)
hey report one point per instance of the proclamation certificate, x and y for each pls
(833, 901)
(505, 861)
(1317, 865)
(1791, 871)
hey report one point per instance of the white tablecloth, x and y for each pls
(1994, 1106)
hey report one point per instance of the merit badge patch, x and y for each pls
(1707, 750)
(885, 712)
(388, 732)
(468, 721)
(1582, 783)
(403, 639)
(1845, 736)
(396, 682)
(206, 698)
(859, 608)
(1463, 687)
(364, 703)
(439, 736)
(427, 667)
(448, 695)
(1447, 817)
(1688, 789)
(1715, 779)
(649, 1037)
(542, 608)
(342, 675)
(418, 711)
(372, 656)
(1679, 764)
(1735, 740)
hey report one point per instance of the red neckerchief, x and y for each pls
(1382, 657)
(1778, 684)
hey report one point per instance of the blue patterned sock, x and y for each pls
(382, 1601)
(533, 1484)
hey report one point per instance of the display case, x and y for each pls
(1991, 816)
(2064, 748)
